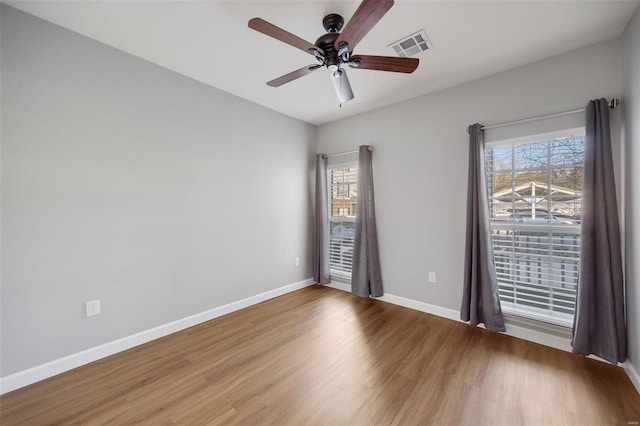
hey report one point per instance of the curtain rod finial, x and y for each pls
(613, 103)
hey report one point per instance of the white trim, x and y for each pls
(537, 118)
(536, 324)
(350, 160)
(573, 132)
(633, 374)
(52, 368)
(338, 285)
(540, 337)
(340, 276)
(421, 306)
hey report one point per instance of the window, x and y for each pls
(342, 215)
(535, 201)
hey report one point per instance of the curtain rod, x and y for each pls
(612, 104)
(344, 153)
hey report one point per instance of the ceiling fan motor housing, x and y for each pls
(325, 43)
(332, 24)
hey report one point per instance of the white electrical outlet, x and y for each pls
(92, 308)
(297, 261)
(432, 277)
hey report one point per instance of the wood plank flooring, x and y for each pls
(320, 356)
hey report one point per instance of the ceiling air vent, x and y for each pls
(411, 45)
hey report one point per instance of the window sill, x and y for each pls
(535, 315)
(341, 278)
(537, 325)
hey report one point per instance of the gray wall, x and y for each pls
(631, 120)
(125, 182)
(421, 158)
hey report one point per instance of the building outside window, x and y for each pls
(535, 200)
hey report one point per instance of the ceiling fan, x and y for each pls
(335, 48)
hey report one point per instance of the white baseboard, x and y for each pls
(633, 374)
(52, 368)
(421, 306)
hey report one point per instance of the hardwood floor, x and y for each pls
(322, 356)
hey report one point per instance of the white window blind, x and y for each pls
(535, 199)
(342, 204)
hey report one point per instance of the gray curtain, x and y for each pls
(599, 322)
(480, 301)
(321, 226)
(366, 278)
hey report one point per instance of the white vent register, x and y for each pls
(411, 45)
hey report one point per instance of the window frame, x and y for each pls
(518, 229)
(339, 273)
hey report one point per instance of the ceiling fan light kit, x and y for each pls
(342, 86)
(334, 49)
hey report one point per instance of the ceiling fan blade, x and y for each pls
(293, 75)
(366, 17)
(342, 85)
(278, 33)
(385, 63)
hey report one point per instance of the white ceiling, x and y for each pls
(209, 41)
